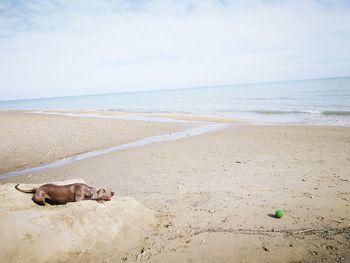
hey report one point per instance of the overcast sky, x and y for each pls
(68, 47)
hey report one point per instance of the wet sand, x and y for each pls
(30, 139)
(214, 195)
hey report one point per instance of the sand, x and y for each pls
(85, 231)
(214, 195)
(30, 139)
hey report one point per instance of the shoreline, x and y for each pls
(199, 124)
(288, 118)
(33, 139)
(67, 160)
(192, 125)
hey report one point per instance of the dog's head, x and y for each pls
(104, 195)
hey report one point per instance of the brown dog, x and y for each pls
(62, 194)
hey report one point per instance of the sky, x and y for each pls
(75, 47)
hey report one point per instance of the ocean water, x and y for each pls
(320, 101)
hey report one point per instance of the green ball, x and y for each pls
(279, 213)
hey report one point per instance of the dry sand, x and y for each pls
(78, 232)
(214, 194)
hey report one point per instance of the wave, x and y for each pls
(336, 113)
(326, 113)
(277, 112)
(262, 112)
(142, 110)
(271, 99)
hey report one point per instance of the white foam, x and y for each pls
(129, 117)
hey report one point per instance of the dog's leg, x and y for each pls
(79, 195)
(39, 197)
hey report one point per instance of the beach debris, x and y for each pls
(82, 253)
(211, 211)
(238, 162)
(168, 224)
(144, 255)
(303, 231)
(265, 248)
(224, 220)
(179, 186)
(308, 195)
(279, 213)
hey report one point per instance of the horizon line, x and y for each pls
(172, 89)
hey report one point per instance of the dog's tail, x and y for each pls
(32, 191)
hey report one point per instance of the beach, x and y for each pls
(204, 198)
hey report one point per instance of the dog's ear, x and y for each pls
(94, 194)
(101, 191)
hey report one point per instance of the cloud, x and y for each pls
(54, 48)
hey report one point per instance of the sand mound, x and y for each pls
(83, 231)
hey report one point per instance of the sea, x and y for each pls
(316, 102)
